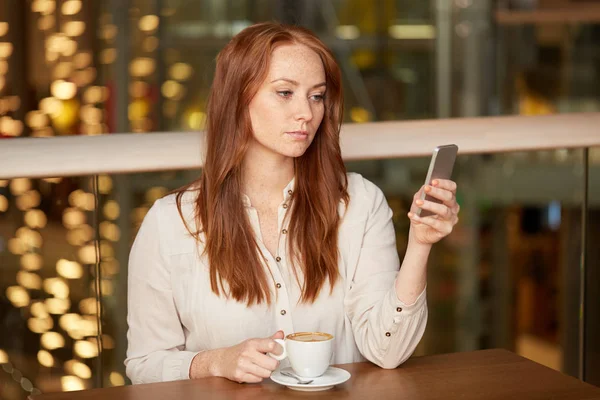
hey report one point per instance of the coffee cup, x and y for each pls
(309, 353)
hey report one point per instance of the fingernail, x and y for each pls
(427, 188)
(435, 183)
(410, 215)
(419, 202)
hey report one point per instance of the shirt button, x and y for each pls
(290, 192)
(282, 312)
(284, 231)
(278, 259)
(399, 309)
(285, 206)
(388, 334)
(278, 286)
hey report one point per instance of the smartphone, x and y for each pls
(440, 167)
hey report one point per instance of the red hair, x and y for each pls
(234, 258)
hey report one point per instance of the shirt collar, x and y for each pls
(287, 193)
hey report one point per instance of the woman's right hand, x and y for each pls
(245, 362)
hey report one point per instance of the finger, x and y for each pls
(439, 209)
(278, 335)
(264, 361)
(440, 194)
(443, 227)
(250, 367)
(267, 345)
(445, 184)
(249, 378)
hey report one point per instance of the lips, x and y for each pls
(298, 134)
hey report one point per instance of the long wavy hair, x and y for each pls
(235, 261)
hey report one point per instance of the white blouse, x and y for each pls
(173, 313)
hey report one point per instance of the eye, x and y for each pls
(285, 93)
(318, 97)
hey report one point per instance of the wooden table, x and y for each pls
(486, 374)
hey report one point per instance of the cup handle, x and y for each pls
(282, 355)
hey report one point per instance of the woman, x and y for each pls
(275, 237)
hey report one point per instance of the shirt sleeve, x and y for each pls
(386, 330)
(156, 339)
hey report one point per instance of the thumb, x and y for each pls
(277, 335)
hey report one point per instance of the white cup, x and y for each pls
(309, 352)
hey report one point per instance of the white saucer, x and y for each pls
(333, 376)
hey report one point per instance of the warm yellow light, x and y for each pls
(3, 203)
(57, 306)
(3, 67)
(18, 296)
(45, 358)
(80, 235)
(95, 94)
(6, 49)
(107, 287)
(57, 287)
(110, 231)
(91, 115)
(71, 7)
(138, 89)
(359, 115)
(181, 71)
(19, 186)
(30, 238)
(3, 357)
(87, 254)
(116, 379)
(109, 266)
(40, 325)
(412, 31)
(63, 70)
(347, 32)
(31, 261)
(73, 218)
(28, 200)
(78, 368)
(85, 349)
(69, 321)
(150, 44)
(109, 32)
(106, 249)
(3, 28)
(63, 90)
(69, 48)
(69, 269)
(3, 182)
(196, 120)
(172, 90)
(52, 340)
(51, 106)
(46, 22)
(85, 77)
(142, 67)
(36, 119)
(35, 219)
(38, 310)
(82, 59)
(16, 246)
(29, 280)
(108, 342)
(105, 184)
(111, 210)
(87, 327)
(52, 180)
(149, 23)
(139, 213)
(71, 383)
(88, 306)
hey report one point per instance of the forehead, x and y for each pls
(297, 62)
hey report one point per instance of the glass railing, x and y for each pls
(507, 277)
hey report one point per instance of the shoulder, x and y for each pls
(362, 190)
(365, 197)
(175, 221)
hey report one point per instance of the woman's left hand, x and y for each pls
(433, 228)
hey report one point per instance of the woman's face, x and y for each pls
(288, 107)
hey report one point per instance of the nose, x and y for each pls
(303, 110)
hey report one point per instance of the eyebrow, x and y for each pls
(293, 82)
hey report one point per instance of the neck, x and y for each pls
(266, 175)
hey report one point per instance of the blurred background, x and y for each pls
(508, 277)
